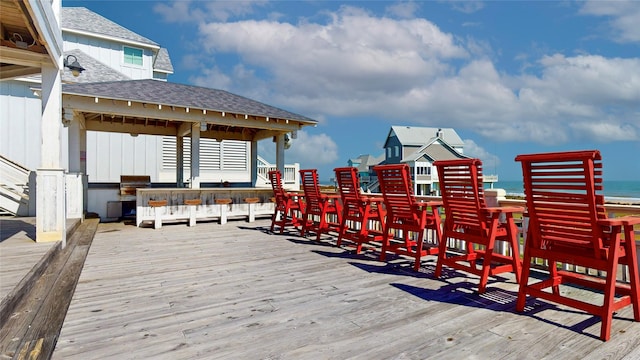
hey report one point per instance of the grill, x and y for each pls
(129, 184)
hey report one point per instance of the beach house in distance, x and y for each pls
(419, 147)
(84, 101)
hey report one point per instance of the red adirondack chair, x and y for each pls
(323, 212)
(362, 216)
(289, 209)
(469, 219)
(407, 216)
(568, 225)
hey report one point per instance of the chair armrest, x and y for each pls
(372, 198)
(505, 209)
(620, 221)
(429, 203)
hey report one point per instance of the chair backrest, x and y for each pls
(462, 193)
(397, 190)
(276, 184)
(348, 185)
(564, 201)
(311, 188)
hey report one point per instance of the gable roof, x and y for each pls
(95, 71)
(418, 136)
(164, 93)
(436, 149)
(162, 61)
(365, 161)
(80, 19)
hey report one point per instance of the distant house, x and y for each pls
(365, 163)
(419, 147)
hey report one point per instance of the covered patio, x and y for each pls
(161, 108)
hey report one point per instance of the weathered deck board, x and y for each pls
(233, 291)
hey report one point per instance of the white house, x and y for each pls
(109, 120)
(419, 147)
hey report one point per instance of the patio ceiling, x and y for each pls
(162, 108)
(29, 38)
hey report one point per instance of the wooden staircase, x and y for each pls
(15, 196)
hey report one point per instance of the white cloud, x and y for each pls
(489, 160)
(356, 64)
(467, 6)
(624, 17)
(405, 9)
(309, 149)
(606, 132)
(199, 11)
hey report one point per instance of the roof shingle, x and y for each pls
(83, 19)
(179, 95)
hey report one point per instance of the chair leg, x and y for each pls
(486, 267)
(524, 280)
(607, 307)
(442, 254)
(273, 220)
(418, 254)
(342, 231)
(322, 225)
(512, 233)
(385, 244)
(632, 264)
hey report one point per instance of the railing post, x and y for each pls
(74, 195)
(493, 198)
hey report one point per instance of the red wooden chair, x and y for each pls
(323, 212)
(469, 219)
(359, 212)
(406, 215)
(289, 209)
(568, 224)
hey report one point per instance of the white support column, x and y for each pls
(76, 181)
(280, 153)
(50, 193)
(180, 161)
(254, 163)
(195, 156)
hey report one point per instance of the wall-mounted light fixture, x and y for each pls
(203, 126)
(74, 66)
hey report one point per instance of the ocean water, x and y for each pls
(629, 190)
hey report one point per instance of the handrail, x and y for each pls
(14, 186)
(613, 210)
(290, 176)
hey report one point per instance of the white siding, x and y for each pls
(112, 155)
(20, 126)
(111, 54)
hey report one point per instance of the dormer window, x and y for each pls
(132, 56)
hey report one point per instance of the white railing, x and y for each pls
(290, 177)
(14, 187)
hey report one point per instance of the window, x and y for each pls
(388, 152)
(132, 56)
(397, 151)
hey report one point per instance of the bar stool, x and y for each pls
(223, 209)
(157, 205)
(193, 204)
(252, 211)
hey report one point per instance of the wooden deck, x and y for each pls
(21, 258)
(234, 291)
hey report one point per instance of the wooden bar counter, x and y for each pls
(212, 200)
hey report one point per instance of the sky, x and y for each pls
(511, 77)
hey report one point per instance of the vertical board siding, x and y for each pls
(20, 128)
